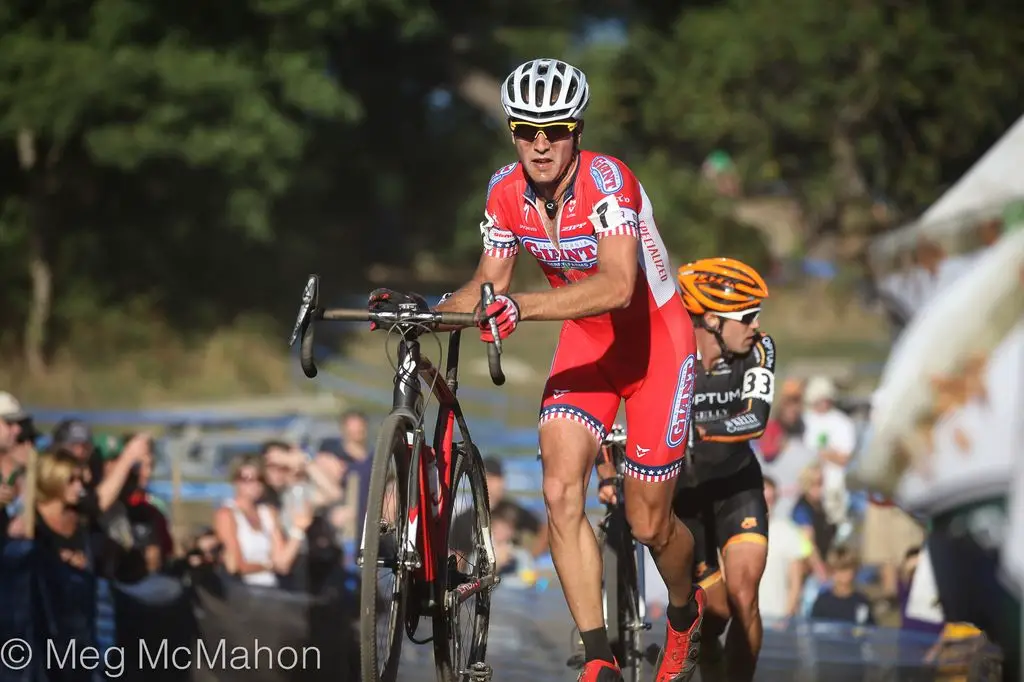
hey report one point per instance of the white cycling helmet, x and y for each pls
(545, 90)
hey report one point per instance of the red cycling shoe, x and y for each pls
(682, 649)
(600, 671)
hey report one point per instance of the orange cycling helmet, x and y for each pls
(720, 285)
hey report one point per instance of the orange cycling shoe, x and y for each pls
(682, 649)
(600, 671)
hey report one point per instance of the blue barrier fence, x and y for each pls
(487, 409)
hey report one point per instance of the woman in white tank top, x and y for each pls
(254, 547)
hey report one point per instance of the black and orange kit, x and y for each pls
(720, 494)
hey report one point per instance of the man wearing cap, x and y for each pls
(832, 435)
(12, 460)
(75, 436)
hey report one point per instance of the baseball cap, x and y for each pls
(72, 432)
(10, 409)
(819, 388)
(108, 446)
(493, 467)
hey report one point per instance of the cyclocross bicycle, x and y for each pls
(625, 609)
(414, 490)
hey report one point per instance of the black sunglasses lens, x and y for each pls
(525, 131)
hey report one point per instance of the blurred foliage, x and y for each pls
(203, 157)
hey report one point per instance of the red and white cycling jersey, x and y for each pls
(644, 353)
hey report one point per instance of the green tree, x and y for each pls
(222, 91)
(837, 101)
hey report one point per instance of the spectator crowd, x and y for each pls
(87, 499)
(291, 510)
(842, 555)
(834, 554)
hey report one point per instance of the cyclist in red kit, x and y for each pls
(625, 336)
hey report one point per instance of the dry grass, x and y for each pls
(149, 364)
(814, 321)
(131, 359)
(818, 314)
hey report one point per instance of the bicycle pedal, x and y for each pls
(479, 672)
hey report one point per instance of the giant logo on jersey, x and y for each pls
(679, 419)
(575, 253)
(606, 174)
(498, 175)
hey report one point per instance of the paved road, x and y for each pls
(530, 642)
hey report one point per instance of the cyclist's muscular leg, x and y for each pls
(716, 618)
(657, 419)
(741, 523)
(694, 506)
(657, 423)
(568, 451)
(649, 511)
(744, 566)
(578, 408)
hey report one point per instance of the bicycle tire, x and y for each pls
(621, 605)
(612, 594)
(392, 439)
(629, 613)
(468, 464)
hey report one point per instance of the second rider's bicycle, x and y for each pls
(413, 499)
(625, 608)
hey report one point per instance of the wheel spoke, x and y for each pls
(464, 625)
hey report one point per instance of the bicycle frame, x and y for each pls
(431, 468)
(426, 475)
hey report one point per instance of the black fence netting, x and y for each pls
(59, 624)
(204, 627)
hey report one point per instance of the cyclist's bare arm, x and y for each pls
(610, 288)
(497, 271)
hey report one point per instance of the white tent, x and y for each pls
(994, 181)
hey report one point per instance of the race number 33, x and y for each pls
(758, 383)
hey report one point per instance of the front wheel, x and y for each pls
(385, 552)
(466, 573)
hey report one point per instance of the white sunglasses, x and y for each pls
(747, 317)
